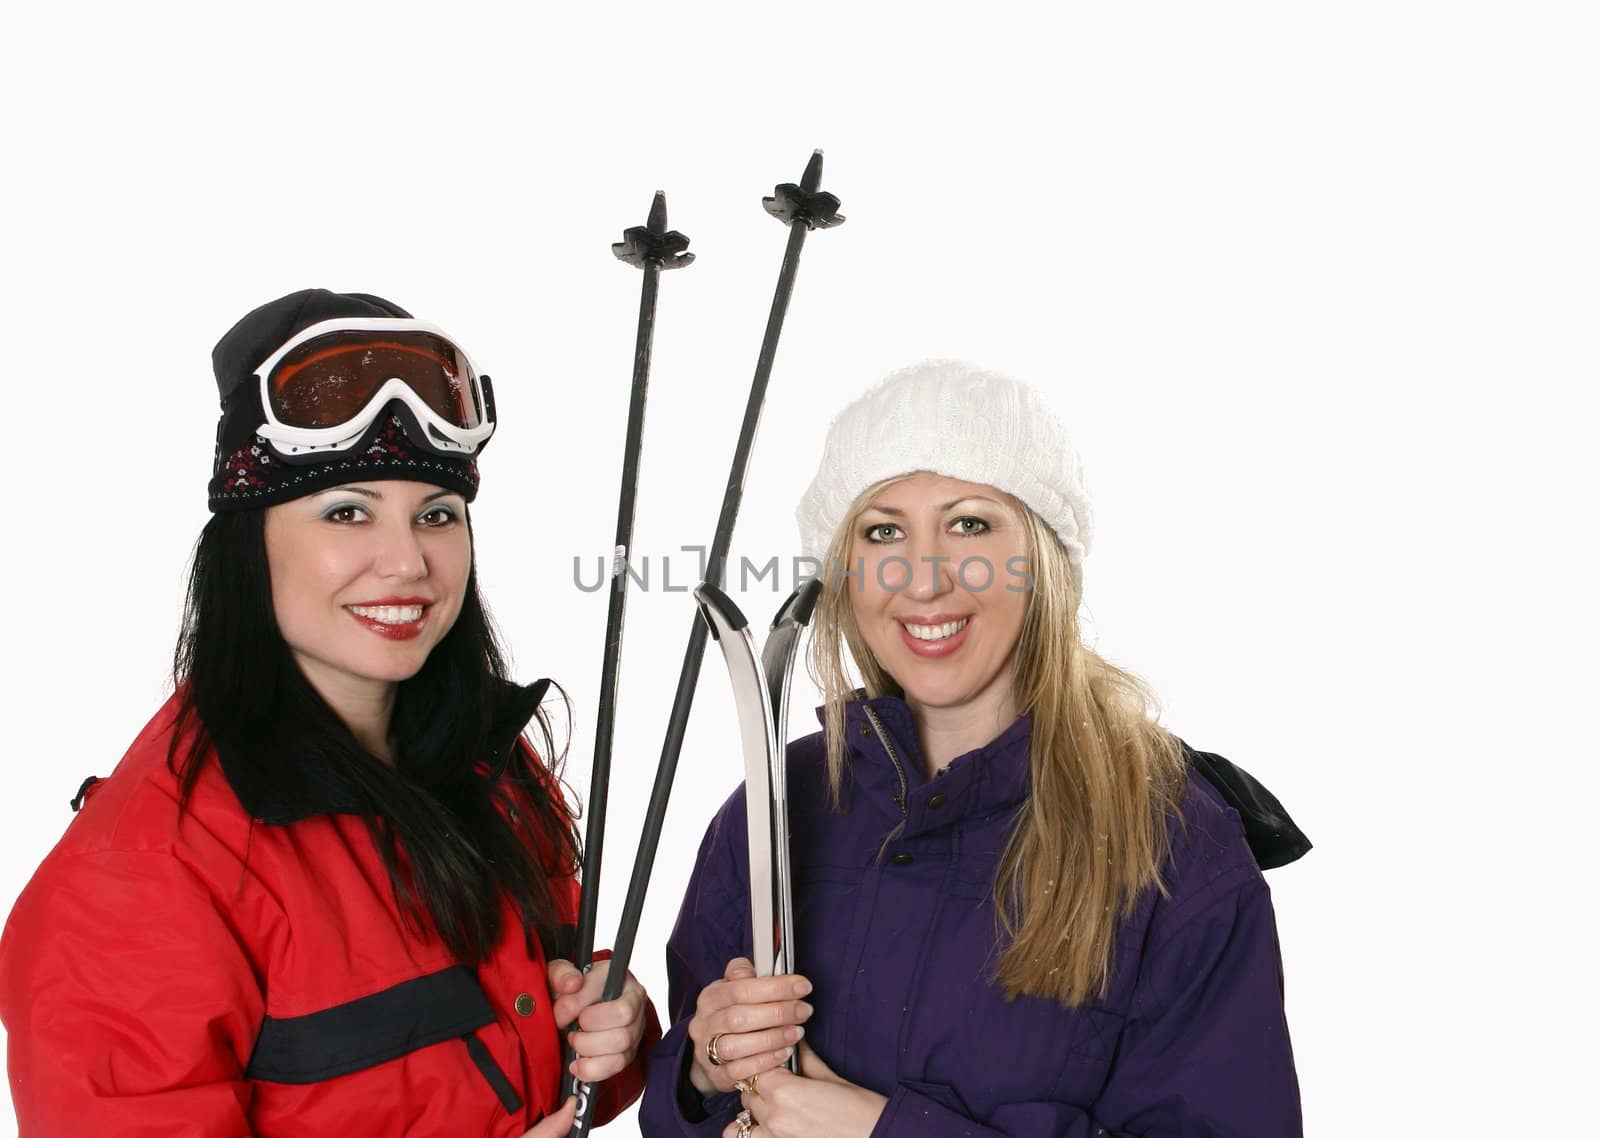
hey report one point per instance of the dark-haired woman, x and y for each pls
(325, 892)
(1020, 910)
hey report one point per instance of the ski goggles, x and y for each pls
(322, 390)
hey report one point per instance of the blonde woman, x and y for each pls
(1018, 911)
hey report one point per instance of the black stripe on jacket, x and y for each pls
(374, 1029)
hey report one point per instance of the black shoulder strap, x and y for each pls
(1273, 837)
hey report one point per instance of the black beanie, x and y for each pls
(246, 474)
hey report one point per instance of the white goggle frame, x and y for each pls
(443, 436)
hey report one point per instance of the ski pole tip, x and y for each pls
(653, 244)
(805, 202)
(812, 178)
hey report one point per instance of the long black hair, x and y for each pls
(445, 814)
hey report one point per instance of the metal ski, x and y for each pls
(653, 248)
(761, 695)
(759, 741)
(777, 662)
(803, 207)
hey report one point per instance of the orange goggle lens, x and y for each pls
(326, 381)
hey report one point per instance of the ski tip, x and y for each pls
(805, 601)
(713, 600)
(799, 605)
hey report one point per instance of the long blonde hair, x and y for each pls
(1091, 838)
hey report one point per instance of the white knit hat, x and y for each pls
(951, 418)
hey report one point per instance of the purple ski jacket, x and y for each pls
(895, 928)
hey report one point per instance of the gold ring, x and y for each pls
(711, 1049)
(746, 1124)
(750, 1085)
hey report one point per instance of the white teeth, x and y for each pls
(936, 631)
(388, 614)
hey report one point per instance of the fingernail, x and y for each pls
(802, 987)
(805, 1012)
(794, 1034)
(785, 1053)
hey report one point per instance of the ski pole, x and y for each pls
(652, 248)
(804, 207)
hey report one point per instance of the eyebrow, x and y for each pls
(377, 497)
(893, 512)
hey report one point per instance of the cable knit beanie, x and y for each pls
(951, 418)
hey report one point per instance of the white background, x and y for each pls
(1314, 286)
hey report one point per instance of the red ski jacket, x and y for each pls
(211, 974)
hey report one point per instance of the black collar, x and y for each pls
(290, 788)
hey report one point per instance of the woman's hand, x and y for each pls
(816, 1103)
(755, 1022)
(557, 1125)
(607, 1039)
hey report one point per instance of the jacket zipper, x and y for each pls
(900, 773)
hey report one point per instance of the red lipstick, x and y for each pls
(409, 630)
(392, 631)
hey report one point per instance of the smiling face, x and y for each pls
(366, 579)
(940, 598)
